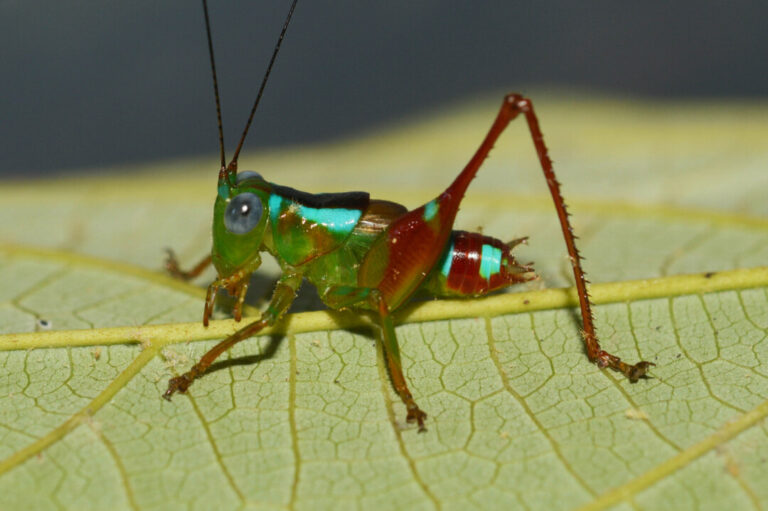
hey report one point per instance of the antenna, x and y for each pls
(228, 172)
(215, 84)
(232, 168)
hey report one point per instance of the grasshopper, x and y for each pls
(367, 254)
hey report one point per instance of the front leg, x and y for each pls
(236, 285)
(282, 298)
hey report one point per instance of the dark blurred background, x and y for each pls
(92, 84)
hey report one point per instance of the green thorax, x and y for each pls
(306, 226)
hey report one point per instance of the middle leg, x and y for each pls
(392, 354)
(345, 297)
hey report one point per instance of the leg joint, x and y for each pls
(517, 102)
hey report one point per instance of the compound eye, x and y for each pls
(243, 213)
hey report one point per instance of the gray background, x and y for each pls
(87, 83)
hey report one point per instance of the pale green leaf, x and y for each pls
(669, 202)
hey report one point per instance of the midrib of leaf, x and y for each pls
(491, 306)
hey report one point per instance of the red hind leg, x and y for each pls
(401, 259)
(515, 104)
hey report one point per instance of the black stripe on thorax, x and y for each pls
(345, 200)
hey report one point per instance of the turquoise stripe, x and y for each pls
(490, 261)
(430, 210)
(337, 220)
(446, 269)
(275, 205)
(223, 190)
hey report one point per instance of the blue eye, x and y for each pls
(243, 213)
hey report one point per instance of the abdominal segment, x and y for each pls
(474, 265)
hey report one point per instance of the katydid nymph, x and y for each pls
(367, 254)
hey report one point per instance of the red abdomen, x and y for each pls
(474, 265)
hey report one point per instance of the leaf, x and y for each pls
(671, 213)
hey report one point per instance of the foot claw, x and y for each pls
(638, 370)
(172, 265)
(179, 383)
(416, 415)
(632, 372)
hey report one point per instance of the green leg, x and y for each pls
(342, 297)
(392, 353)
